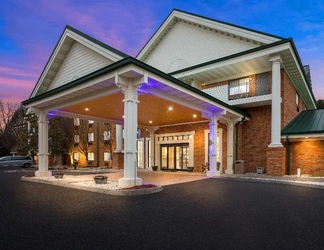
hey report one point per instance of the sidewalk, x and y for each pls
(82, 178)
(317, 182)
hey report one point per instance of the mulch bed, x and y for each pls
(144, 186)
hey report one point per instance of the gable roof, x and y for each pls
(291, 62)
(307, 122)
(256, 37)
(132, 61)
(68, 37)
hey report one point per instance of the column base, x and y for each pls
(275, 145)
(129, 182)
(229, 171)
(276, 161)
(39, 173)
(212, 173)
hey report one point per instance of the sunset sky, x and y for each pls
(30, 29)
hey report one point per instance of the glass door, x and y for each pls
(175, 156)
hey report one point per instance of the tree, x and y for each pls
(106, 138)
(81, 133)
(60, 136)
(27, 135)
(11, 118)
(320, 104)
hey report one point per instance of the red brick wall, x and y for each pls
(256, 137)
(288, 95)
(308, 156)
(276, 161)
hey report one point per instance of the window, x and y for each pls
(297, 102)
(90, 156)
(239, 86)
(107, 156)
(91, 137)
(76, 156)
(76, 138)
(90, 122)
(106, 135)
(76, 122)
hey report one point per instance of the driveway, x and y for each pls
(211, 213)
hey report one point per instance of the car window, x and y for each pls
(6, 158)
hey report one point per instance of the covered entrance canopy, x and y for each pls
(107, 85)
(131, 93)
(100, 95)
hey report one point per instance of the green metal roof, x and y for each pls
(306, 122)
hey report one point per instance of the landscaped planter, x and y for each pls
(58, 175)
(154, 168)
(100, 179)
(190, 169)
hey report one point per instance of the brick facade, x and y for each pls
(276, 161)
(256, 137)
(308, 156)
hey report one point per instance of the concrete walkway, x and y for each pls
(160, 178)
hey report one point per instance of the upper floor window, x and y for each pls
(90, 137)
(106, 135)
(239, 86)
(76, 122)
(76, 138)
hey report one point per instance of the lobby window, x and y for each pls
(107, 156)
(76, 156)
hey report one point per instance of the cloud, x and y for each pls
(308, 26)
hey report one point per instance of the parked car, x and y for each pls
(16, 161)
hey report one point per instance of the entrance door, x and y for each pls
(175, 156)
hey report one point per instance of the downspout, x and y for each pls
(236, 137)
(288, 155)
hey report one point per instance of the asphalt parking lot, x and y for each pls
(204, 214)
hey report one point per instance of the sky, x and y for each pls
(30, 29)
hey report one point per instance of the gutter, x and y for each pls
(236, 137)
(288, 155)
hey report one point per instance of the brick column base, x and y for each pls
(276, 161)
(118, 160)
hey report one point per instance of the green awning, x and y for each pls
(307, 122)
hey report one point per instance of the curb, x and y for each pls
(277, 181)
(117, 192)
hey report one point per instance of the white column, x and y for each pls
(230, 145)
(130, 135)
(152, 143)
(276, 103)
(42, 146)
(213, 147)
(119, 138)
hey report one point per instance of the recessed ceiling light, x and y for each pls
(86, 109)
(170, 108)
(194, 116)
(150, 121)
